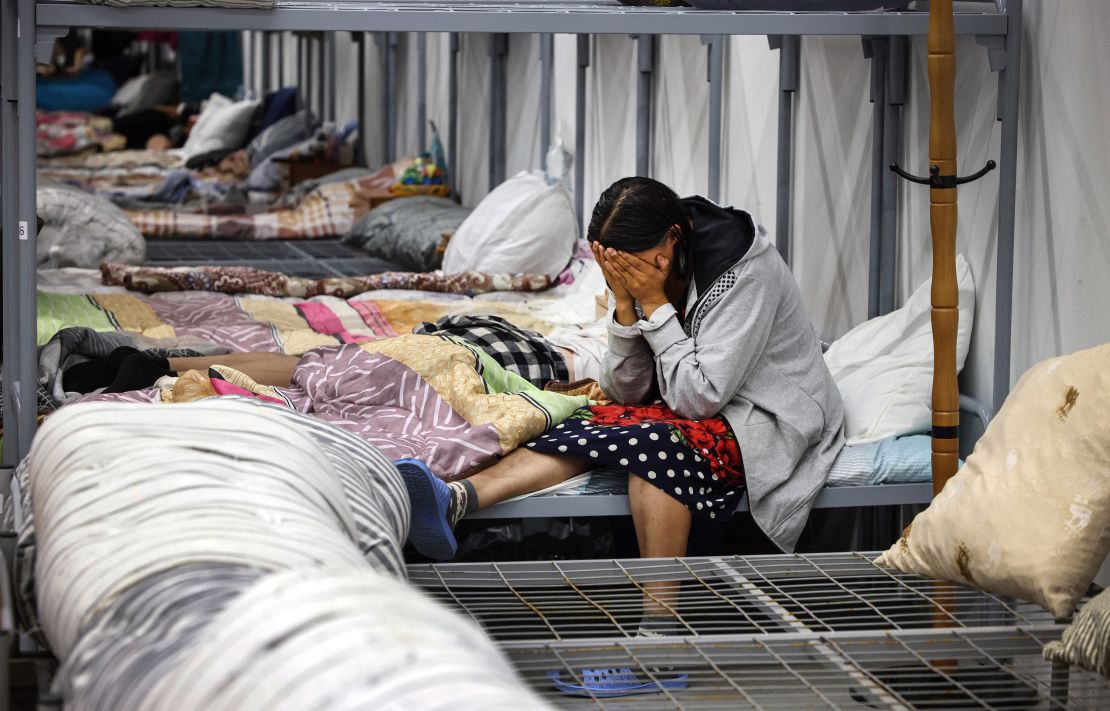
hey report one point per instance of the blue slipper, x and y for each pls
(429, 532)
(613, 683)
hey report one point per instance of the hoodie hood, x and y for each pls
(722, 238)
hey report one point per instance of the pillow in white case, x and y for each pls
(884, 367)
(223, 125)
(523, 226)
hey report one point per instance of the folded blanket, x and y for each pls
(248, 280)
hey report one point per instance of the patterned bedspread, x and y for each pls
(65, 132)
(439, 399)
(258, 323)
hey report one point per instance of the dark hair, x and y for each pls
(636, 214)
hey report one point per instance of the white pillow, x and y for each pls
(145, 91)
(884, 367)
(222, 125)
(523, 226)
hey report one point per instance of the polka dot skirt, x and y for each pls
(698, 463)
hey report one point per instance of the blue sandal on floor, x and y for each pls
(429, 532)
(612, 683)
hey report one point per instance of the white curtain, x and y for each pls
(1063, 219)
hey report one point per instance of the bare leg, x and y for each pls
(662, 530)
(264, 368)
(522, 472)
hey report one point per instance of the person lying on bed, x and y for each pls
(705, 315)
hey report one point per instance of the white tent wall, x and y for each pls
(473, 150)
(408, 95)
(749, 131)
(522, 102)
(680, 131)
(1063, 222)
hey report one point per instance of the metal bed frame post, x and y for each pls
(453, 112)
(321, 78)
(25, 384)
(361, 39)
(248, 63)
(422, 90)
(329, 45)
(583, 52)
(716, 47)
(9, 186)
(299, 54)
(789, 47)
(875, 49)
(897, 61)
(390, 102)
(645, 65)
(1009, 88)
(547, 80)
(264, 60)
(281, 59)
(498, 50)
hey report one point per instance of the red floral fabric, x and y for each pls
(713, 439)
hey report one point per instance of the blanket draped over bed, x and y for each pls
(437, 399)
(259, 324)
(162, 576)
(249, 280)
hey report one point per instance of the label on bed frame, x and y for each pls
(23, 231)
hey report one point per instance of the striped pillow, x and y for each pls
(1086, 642)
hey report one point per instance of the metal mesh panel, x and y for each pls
(826, 631)
(563, 600)
(954, 669)
(312, 259)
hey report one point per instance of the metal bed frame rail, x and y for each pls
(884, 40)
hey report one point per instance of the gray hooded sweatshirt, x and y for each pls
(745, 350)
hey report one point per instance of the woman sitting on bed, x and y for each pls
(704, 315)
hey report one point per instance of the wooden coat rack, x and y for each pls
(943, 214)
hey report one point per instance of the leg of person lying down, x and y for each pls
(128, 369)
(264, 368)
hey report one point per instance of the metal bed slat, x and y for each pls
(589, 505)
(560, 16)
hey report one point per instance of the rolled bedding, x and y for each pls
(228, 554)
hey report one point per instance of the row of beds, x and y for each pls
(818, 631)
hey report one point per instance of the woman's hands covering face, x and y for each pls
(627, 273)
(620, 293)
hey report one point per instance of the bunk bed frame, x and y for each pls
(996, 24)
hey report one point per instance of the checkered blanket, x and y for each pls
(525, 353)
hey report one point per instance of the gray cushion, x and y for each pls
(282, 134)
(407, 231)
(83, 230)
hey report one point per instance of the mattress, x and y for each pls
(897, 460)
